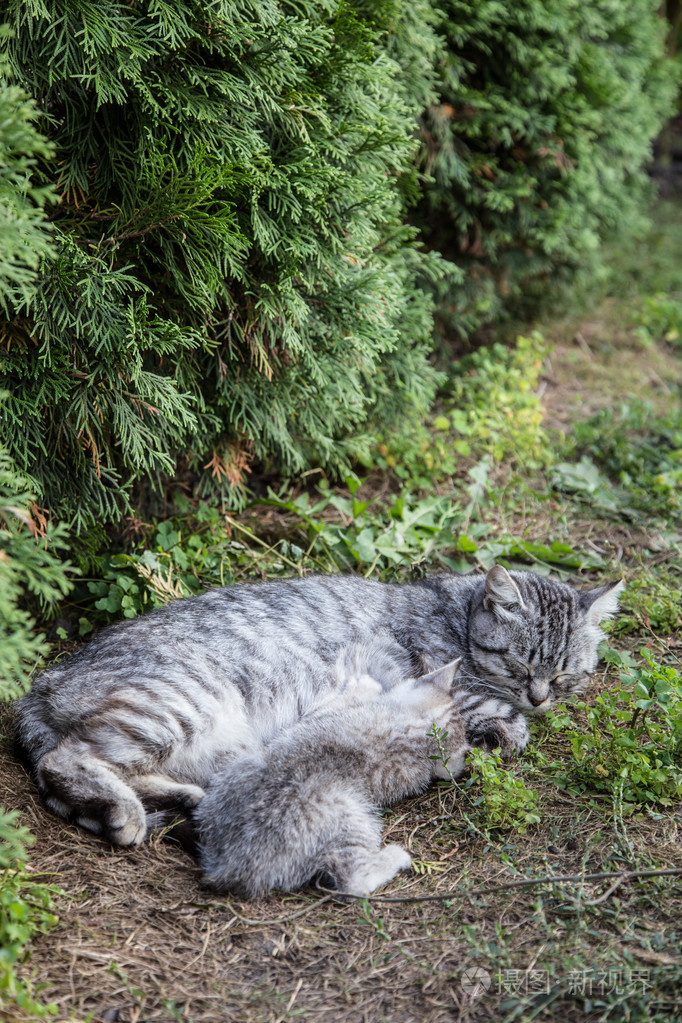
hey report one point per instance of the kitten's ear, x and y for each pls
(500, 590)
(602, 602)
(442, 678)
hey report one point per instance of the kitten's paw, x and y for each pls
(455, 765)
(389, 861)
(363, 689)
(395, 858)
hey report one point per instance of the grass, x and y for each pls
(546, 455)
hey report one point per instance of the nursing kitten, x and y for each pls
(308, 804)
(145, 713)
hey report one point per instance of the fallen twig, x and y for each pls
(526, 882)
(331, 896)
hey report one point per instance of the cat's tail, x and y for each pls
(33, 736)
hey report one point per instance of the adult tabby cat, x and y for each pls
(308, 805)
(149, 710)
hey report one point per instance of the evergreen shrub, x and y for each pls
(28, 568)
(232, 276)
(538, 143)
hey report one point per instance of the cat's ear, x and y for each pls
(442, 678)
(500, 590)
(602, 602)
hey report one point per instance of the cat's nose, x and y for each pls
(537, 701)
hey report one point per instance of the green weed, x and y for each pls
(372, 535)
(183, 555)
(186, 554)
(496, 407)
(629, 462)
(498, 793)
(661, 319)
(651, 602)
(631, 745)
(555, 557)
(25, 911)
(490, 409)
(427, 453)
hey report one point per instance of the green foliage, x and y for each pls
(179, 557)
(28, 564)
(24, 235)
(374, 536)
(489, 409)
(630, 462)
(25, 905)
(25, 565)
(538, 145)
(631, 747)
(661, 318)
(496, 407)
(202, 548)
(233, 279)
(409, 535)
(556, 557)
(651, 602)
(498, 793)
(442, 755)
(584, 482)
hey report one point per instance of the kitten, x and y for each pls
(307, 806)
(145, 713)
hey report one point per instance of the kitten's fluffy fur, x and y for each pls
(143, 715)
(308, 805)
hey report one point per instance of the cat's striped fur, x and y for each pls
(152, 707)
(308, 805)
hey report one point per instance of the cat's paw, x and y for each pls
(159, 792)
(191, 795)
(517, 736)
(510, 735)
(126, 823)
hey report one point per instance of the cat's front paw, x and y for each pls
(510, 735)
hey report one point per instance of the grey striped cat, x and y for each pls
(147, 712)
(308, 805)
